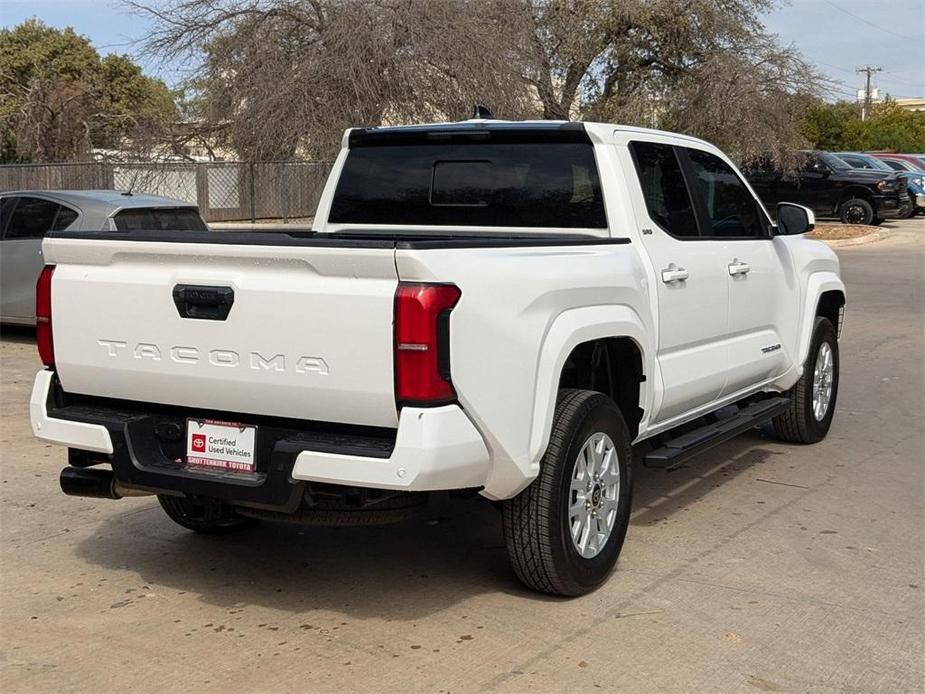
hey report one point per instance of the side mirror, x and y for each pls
(794, 219)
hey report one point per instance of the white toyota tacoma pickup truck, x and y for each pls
(500, 308)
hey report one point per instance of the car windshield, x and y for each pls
(876, 163)
(832, 161)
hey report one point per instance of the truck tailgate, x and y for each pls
(308, 334)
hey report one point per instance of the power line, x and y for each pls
(866, 21)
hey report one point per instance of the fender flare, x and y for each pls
(816, 286)
(568, 330)
(854, 191)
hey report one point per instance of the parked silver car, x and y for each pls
(27, 215)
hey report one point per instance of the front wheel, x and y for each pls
(856, 211)
(565, 531)
(812, 399)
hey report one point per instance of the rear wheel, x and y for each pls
(856, 211)
(812, 399)
(565, 531)
(204, 515)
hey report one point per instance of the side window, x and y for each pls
(663, 187)
(32, 219)
(893, 164)
(729, 207)
(65, 218)
(6, 210)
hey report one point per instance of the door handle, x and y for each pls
(203, 302)
(673, 273)
(737, 267)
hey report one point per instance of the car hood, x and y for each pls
(869, 175)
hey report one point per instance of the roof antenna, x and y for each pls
(482, 113)
(131, 186)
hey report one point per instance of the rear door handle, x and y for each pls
(737, 267)
(673, 273)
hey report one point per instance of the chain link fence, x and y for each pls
(285, 191)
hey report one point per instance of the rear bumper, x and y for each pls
(435, 448)
(432, 449)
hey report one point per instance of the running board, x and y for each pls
(690, 444)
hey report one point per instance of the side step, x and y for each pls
(690, 444)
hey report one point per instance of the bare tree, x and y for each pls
(285, 77)
(704, 67)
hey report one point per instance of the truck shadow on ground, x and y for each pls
(21, 334)
(401, 572)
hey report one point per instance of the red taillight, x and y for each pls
(422, 350)
(43, 336)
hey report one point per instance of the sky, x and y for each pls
(837, 36)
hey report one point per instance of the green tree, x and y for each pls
(825, 125)
(838, 127)
(890, 127)
(59, 99)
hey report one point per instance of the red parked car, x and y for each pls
(914, 162)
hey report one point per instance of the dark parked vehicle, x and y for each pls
(831, 188)
(915, 179)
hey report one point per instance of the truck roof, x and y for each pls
(554, 130)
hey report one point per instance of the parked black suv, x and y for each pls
(831, 188)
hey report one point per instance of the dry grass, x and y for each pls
(831, 232)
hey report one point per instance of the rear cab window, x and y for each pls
(158, 219)
(483, 178)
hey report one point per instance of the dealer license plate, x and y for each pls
(220, 445)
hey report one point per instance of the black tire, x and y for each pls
(799, 424)
(856, 211)
(204, 515)
(536, 523)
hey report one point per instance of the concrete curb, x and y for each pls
(857, 240)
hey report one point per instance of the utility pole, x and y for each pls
(869, 70)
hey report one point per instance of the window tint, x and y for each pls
(730, 208)
(831, 161)
(663, 187)
(31, 219)
(856, 162)
(895, 165)
(6, 209)
(65, 218)
(550, 184)
(159, 219)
